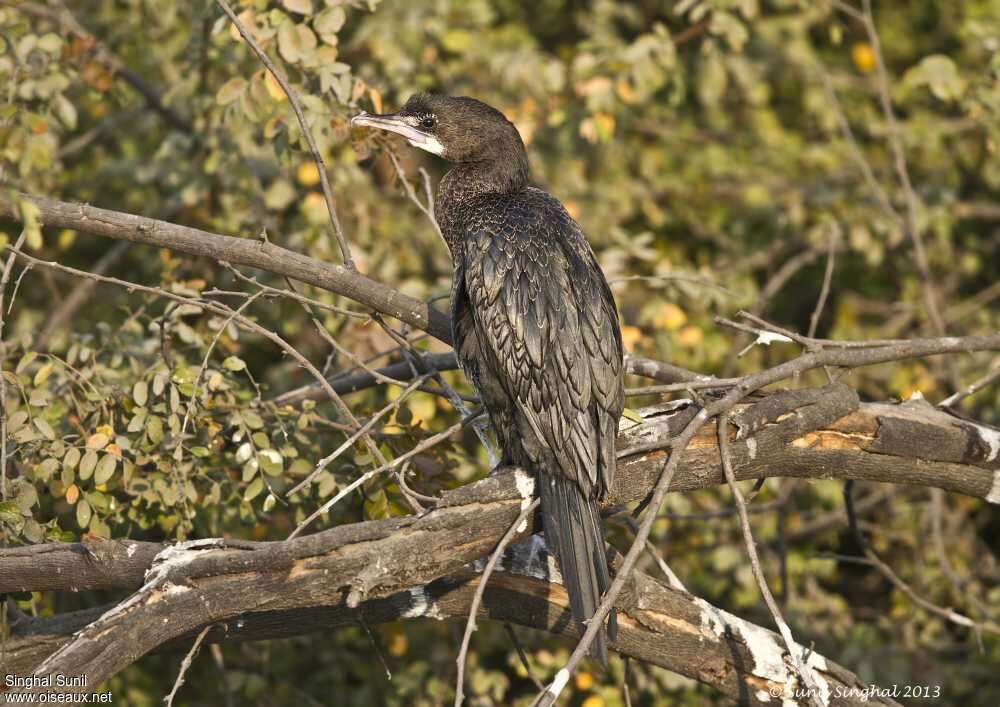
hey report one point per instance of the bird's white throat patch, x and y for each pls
(429, 143)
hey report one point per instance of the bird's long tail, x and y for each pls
(573, 532)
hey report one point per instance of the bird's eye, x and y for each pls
(428, 122)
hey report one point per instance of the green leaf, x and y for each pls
(26, 359)
(68, 476)
(456, 40)
(230, 91)
(26, 497)
(279, 195)
(377, 506)
(31, 218)
(138, 422)
(105, 469)
(327, 484)
(45, 428)
(154, 428)
(270, 461)
(234, 363)
(244, 452)
(45, 470)
(16, 421)
(83, 514)
(99, 528)
(329, 22)
(295, 41)
(252, 420)
(943, 78)
(32, 531)
(65, 111)
(9, 512)
(630, 414)
(88, 464)
(303, 7)
(140, 393)
(72, 458)
(254, 489)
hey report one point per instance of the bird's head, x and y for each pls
(457, 128)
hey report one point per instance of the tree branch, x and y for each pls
(238, 251)
(658, 625)
(821, 433)
(274, 259)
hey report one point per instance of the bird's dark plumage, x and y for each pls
(535, 326)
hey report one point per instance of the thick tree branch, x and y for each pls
(657, 624)
(822, 433)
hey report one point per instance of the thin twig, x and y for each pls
(751, 546)
(423, 446)
(426, 209)
(825, 290)
(185, 664)
(477, 598)
(345, 249)
(349, 442)
(522, 656)
(875, 561)
(971, 389)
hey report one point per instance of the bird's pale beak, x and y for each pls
(393, 123)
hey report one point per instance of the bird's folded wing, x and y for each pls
(545, 318)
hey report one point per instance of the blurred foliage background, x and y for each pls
(701, 144)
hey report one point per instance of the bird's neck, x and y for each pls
(467, 182)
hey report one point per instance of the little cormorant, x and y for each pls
(534, 327)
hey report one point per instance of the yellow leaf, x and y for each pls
(274, 89)
(456, 40)
(631, 336)
(423, 408)
(605, 124)
(624, 90)
(376, 99)
(630, 414)
(307, 174)
(593, 701)
(398, 644)
(43, 374)
(97, 441)
(584, 681)
(690, 336)
(249, 20)
(863, 57)
(670, 317)
(72, 493)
